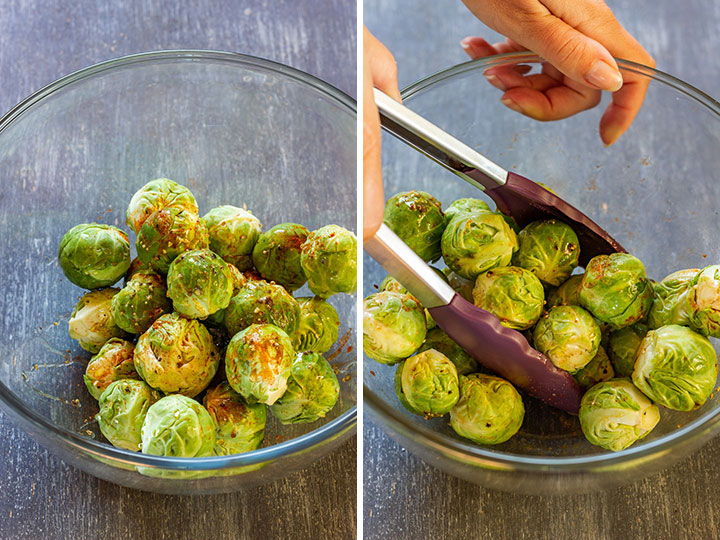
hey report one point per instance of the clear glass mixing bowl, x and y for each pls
(655, 191)
(234, 129)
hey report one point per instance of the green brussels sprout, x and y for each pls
(568, 336)
(199, 283)
(474, 243)
(177, 355)
(140, 302)
(113, 362)
(329, 260)
(258, 362)
(704, 299)
(318, 325)
(567, 294)
(460, 285)
(614, 414)
(671, 300)
(261, 302)
(178, 426)
(137, 267)
(489, 411)
(616, 290)
(312, 390)
(233, 233)
(157, 195)
(277, 255)
(91, 322)
(514, 295)
(399, 391)
(166, 234)
(393, 326)
(123, 406)
(430, 383)
(238, 278)
(676, 367)
(393, 285)
(464, 207)
(550, 249)
(93, 255)
(599, 369)
(239, 426)
(437, 339)
(417, 218)
(623, 347)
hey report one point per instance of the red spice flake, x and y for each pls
(372, 373)
(350, 348)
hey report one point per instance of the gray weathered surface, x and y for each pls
(40, 41)
(404, 497)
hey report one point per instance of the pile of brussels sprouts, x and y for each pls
(632, 344)
(208, 301)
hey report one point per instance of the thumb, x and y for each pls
(574, 54)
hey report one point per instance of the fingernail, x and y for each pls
(510, 104)
(603, 76)
(497, 83)
(611, 134)
(465, 43)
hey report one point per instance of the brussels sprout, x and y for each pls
(258, 362)
(113, 362)
(567, 294)
(430, 383)
(614, 414)
(312, 390)
(166, 234)
(178, 426)
(199, 283)
(616, 290)
(238, 278)
(676, 367)
(464, 207)
(417, 218)
(277, 255)
(140, 302)
(261, 302)
(123, 406)
(489, 411)
(393, 326)
(671, 300)
(318, 325)
(177, 355)
(514, 295)
(93, 255)
(329, 260)
(550, 249)
(157, 195)
(623, 347)
(239, 426)
(599, 369)
(91, 322)
(233, 233)
(393, 285)
(568, 336)
(704, 299)
(475, 243)
(399, 391)
(137, 267)
(437, 339)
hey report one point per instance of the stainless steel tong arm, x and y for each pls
(411, 271)
(435, 143)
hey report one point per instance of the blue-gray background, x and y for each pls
(405, 498)
(42, 40)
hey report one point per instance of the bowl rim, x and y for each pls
(460, 450)
(323, 434)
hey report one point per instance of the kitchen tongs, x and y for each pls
(503, 350)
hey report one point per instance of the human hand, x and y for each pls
(578, 39)
(379, 70)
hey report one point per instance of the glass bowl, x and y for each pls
(655, 191)
(234, 129)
